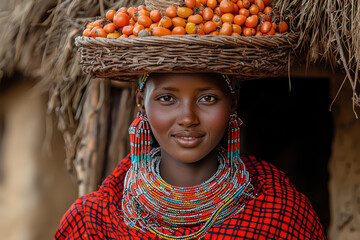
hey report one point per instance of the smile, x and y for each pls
(188, 139)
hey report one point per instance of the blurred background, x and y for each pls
(62, 133)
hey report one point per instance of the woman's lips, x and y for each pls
(188, 139)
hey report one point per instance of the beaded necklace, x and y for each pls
(150, 204)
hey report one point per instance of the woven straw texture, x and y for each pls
(161, 5)
(246, 57)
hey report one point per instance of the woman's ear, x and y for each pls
(140, 102)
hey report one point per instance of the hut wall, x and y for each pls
(344, 167)
(35, 188)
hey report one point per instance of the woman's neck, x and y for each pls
(182, 174)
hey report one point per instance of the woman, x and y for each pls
(195, 184)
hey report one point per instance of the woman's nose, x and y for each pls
(187, 115)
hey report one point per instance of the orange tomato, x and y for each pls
(178, 21)
(99, 23)
(236, 29)
(252, 21)
(260, 4)
(93, 33)
(121, 19)
(283, 27)
(226, 29)
(214, 33)
(165, 22)
(227, 17)
(160, 31)
(217, 20)
(271, 32)
(190, 28)
(122, 10)
(208, 14)
(226, 6)
(110, 14)
(209, 27)
(235, 34)
(203, 2)
(141, 7)
(254, 9)
(113, 35)
(218, 11)
(267, 10)
(99, 32)
(244, 11)
(87, 32)
(145, 21)
(236, 9)
(110, 27)
(171, 12)
(178, 30)
(265, 27)
(240, 4)
(154, 25)
(184, 12)
(137, 29)
(144, 12)
(155, 15)
(128, 30)
(266, 2)
(249, 32)
(124, 36)
(197, 19)
(211, 3)
(258, 33)
(240, 19)
(190, 3)
(131, 11)
(246, 3)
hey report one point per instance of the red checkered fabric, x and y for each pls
(278, 212)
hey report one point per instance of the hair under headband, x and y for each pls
(231, 82)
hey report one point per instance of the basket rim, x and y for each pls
(193, 39)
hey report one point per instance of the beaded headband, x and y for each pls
(230, 82)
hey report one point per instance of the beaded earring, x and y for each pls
(233, 147)
(140, 139)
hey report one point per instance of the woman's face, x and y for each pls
(188, 113)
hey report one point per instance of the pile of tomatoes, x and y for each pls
(211, 17)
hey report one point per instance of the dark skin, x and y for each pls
(188, 115)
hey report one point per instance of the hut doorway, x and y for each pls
(292, 130)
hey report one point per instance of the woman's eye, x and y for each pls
(166, 98)
(207, 99)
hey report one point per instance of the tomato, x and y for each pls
(145, 21)
(178, 21)
(239, 19)
(236, 29)
(154, 25)
(190, 3)
(227, 17)
(246, 3)
(236, 9)
(258, 33)
(235, 34)
(260, 4)
(160, 31)
(87, 32)
(197, 19)
(110, 14)
(128, 30)
(190, 28)
(244, 11)
(131, 11)
(110, 27)
(214, 33)
(144, 12)
(155, 15)
(137, 29)
(217, 20)
(184, 12)
(267, 10)
(226, 6)
(208, 14)
(209, 27)
(249, 32)
(121, 19)
(178, 30)
(283, 27)
(141, 7)
(124, 36)
(254, 9)
(266, 2)
(211, 3)
(218, 11)
(122, 10)
(99, 32)
(171, 12)
(240, 4)
(265, 27)
(113, 35)
(99, 23)
(252, 21)
(226, 29)
(165, 22)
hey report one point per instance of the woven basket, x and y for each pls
(161, 5)
(245, 57)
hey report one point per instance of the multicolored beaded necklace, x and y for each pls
(150, 204)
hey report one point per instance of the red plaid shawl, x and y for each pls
(278, 212)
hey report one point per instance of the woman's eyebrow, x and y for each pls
(167, 89)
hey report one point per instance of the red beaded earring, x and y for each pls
(233, 147)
